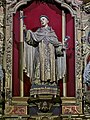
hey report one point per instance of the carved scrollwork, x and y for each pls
(9, 56)
(9, 18)
(1, 47)
(87, 8)
(10, 2)
(1, 32)
(86, 99)
(78, 23)
(44, 106)
(74, 2)
(78, 71)
(78, 59)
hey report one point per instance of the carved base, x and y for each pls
(70, 106)
(17, 107)
(44, 105)
(45, 118)
(44, 90)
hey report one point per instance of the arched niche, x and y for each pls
(32, 10)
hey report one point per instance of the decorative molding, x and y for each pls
(72, 11)
(45, 117)
(1, 33)
(9, 18)
(16, 110)
(44, 91)
(78, 60)
(70, 106)
(13, 7)
(76, 3)
(10, 2)
(71, 109)
(86, 8)
(84, 38)
(86, 100)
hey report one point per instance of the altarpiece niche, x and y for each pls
(31, 19)
(40, 64)
(45, 62)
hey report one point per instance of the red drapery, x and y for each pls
(88, 58)
(70, 56)
(16, 38)
(32, 14)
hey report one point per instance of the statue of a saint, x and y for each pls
(47, 61)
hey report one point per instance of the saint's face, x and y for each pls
(44, 21)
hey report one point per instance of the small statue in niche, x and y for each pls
(45, 61)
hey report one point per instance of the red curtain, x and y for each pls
(33, 12)
(16, 38)
(31, 20)
(88, 59)
(70, 56)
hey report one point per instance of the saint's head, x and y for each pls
(44, 20)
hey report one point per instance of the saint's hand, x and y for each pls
(24, 27)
